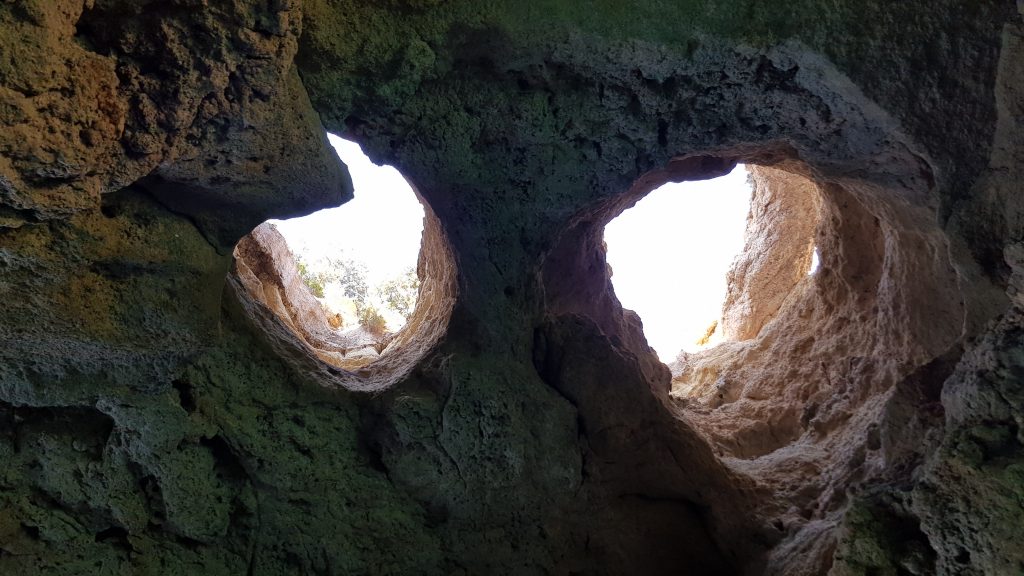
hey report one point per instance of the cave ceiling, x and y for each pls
(162, 413)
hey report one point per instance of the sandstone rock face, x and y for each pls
(162, 411)
(778, 247)
(267, 270)
(267, 282)
(97, 95)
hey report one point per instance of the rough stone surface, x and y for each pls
(98, 94)
(267, 281)
(267, 269)
(777, 251)
(156, 418)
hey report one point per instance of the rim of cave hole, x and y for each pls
(801, 356)
(341, 285)
(703, 262)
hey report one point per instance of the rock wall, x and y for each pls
(157, 419)
(778, 246)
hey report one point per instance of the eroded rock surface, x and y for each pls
(268, 271)
(778, 248)
(157, 418)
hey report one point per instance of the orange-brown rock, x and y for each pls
(777, 251)
(267, 281)
(166, 408)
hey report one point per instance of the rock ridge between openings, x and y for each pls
(158, 418)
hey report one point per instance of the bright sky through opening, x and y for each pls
(381, 227)
(671, 252)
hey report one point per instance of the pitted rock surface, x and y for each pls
(157, 418)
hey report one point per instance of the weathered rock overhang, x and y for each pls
(154, 420)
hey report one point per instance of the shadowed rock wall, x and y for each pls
(155, 420)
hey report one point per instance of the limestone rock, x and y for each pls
(100, 94)
(778, 246)
(268, 270)
(163, 411)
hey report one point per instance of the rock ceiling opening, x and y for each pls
(166, 407)
(670, 254)
(359, 259)
(708, 261)
(356, 285)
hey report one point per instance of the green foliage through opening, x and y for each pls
(347, 277)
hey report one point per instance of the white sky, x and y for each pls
(381, 226)
(671, 252)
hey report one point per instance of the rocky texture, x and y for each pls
(777, 250)
(266, 280)
(99, 94)
(802, 406)
(267, 269)
(159, 420)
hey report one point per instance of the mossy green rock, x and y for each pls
(148, 425)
